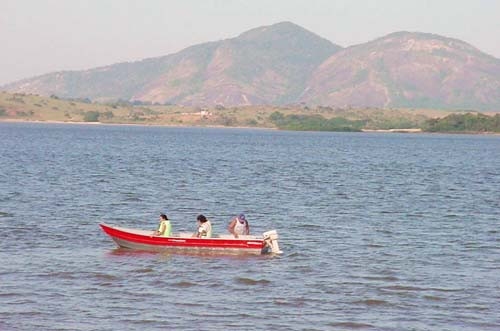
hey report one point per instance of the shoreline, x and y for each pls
(15, 120)
(409, 131)
(414, 130)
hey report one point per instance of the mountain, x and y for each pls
(266, 65)
(285, 64)
(407, 69)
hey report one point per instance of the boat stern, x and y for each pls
(271, 241)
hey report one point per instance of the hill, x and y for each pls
(408, 69)
(284, 64)
(266, 65)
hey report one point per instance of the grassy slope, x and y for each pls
(37, 108)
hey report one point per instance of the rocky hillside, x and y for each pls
(409, 70)
(266, 65)
(285, 64)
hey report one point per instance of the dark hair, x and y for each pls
(201, 218)
(164, 216)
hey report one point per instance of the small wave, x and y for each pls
(184, 284)
(104, 277)
(3, 295)
(281, 302)
(404, 288)
(221, 316)
(303, 268)
(372, 302)
(133, 199)
(351, 325)
(311, 226)
(433, 298)
(145, 270)
(374, 246)
(476, 307)
(60, 275)
(386, 278)
(9, 196)
(488, 246)
(143, 322)
(445, 289)
(4, 214)
(249, 281)
(414, 288)
(284, 302)
(190, 304)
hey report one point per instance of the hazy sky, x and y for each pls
(41, 36)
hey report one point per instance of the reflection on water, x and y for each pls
(194, 253)
(379, 231)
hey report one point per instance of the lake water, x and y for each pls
(379, 231)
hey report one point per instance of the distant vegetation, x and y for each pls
(91, 116)
(29, 107)
(464, 123)
(315, 123)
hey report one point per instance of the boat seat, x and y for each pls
(230, 236)
(221, 236)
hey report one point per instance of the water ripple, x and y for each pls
(379, 232)
(249, 281)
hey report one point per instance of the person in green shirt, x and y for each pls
(165, 228)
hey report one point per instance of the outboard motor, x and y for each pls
(271, 239)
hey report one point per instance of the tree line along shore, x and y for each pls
(30, 107)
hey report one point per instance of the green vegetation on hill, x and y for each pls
(28, 107)
(91, 116)
(464, 123)
(315, 123)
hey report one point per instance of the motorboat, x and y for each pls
(146, 240)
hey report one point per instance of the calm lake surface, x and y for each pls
(379, 231)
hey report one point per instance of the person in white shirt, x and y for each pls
(238, 226)
(204, 228)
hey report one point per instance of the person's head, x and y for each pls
(201, 218)
(163, 217)
(241, 218)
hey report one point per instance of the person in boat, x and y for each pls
(238, 226)
(204, 228)
(165, 228)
